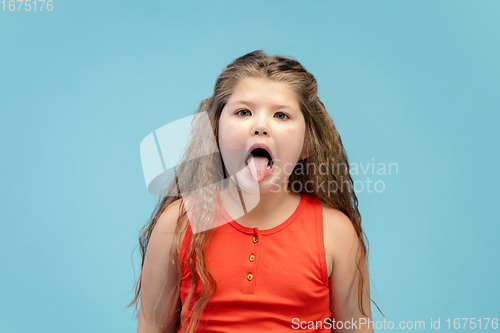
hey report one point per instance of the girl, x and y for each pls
(275, 246)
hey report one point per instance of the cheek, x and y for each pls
(224, 132)
(229, 137)
(294, 139)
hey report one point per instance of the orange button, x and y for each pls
(255, 239)
(252, 257)
(249, 277)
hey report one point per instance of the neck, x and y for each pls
(262, 207)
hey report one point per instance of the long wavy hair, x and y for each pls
(322, 142)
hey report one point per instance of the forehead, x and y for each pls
(252, 90)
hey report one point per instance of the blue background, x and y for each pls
(409, 82)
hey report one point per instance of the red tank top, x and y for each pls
(267, 280)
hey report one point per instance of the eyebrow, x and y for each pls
(277, 106)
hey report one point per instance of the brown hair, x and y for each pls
(322, 142)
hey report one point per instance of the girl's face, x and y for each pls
(261, 111)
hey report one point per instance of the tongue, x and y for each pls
(258, 167)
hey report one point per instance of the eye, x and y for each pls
(243, 113)
(281, 115)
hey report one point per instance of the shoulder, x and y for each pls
(168, 220)
(336, 223)
(338, 232)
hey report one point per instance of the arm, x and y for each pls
(342, 242)
(159, 277)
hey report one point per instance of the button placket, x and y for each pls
(251, 263)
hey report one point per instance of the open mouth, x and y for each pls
(260, 153)
(259, 164)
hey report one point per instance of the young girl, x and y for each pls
(271, 245)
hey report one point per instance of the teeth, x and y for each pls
(268, 167)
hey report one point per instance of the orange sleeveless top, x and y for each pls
(267, 280)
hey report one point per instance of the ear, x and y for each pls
(305, 152)
(306, 147)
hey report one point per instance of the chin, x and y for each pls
(271, 185)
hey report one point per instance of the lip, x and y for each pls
(268, 172)
(260, 145)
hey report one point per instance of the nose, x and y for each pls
(261, 128)
(260, 131)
